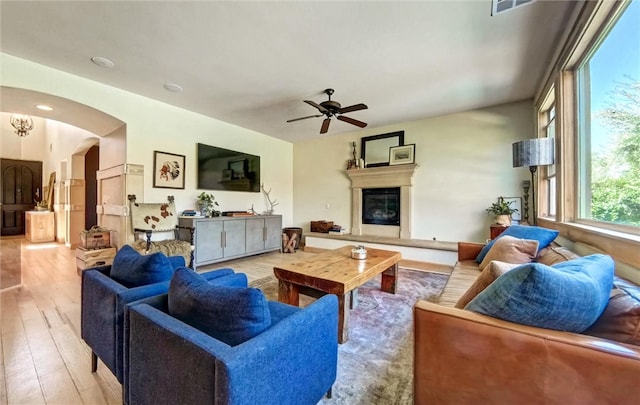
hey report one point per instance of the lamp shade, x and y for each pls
(533, 152)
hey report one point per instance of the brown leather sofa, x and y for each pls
(466, 358)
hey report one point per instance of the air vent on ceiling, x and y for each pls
(498, 6)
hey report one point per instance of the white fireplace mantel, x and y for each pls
(382, 177)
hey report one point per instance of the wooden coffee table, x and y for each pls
(335, 272)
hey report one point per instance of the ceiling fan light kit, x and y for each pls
(331, 108)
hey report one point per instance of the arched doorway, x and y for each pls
(76, 188)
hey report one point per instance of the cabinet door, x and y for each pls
(234, 239)
(255, 235)
(208, 240)
(273, 234)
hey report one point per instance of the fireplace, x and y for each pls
(381, 206)
(399, 177)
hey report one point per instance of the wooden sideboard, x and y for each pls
(224, 238)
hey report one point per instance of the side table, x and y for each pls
(39, 226)
(496, 230)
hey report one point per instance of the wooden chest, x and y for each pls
(95, 240)
(321, 226)
(89, 258)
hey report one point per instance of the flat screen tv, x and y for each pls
(225, 169)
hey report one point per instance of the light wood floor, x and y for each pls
(43, 359)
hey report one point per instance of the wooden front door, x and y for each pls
(20, 185)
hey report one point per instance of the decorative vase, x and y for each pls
(504, 220)
(205, 209)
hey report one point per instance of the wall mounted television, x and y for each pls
(225, 169)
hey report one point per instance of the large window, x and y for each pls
(608, 89)
(549, 172)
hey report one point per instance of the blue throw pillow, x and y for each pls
(568, 296)
(229, 314)
(544, 237)
(132, 269)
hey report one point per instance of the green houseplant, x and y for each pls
(206, 204)
(502, 210)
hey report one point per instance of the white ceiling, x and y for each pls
(252, 63)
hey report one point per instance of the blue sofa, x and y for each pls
(103, 304)
(293, 362)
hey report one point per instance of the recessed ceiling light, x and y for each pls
(103, 62)
(172, 87)
(44, 107)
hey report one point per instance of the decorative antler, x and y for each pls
(271, 203)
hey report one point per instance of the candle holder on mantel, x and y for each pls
(353, 163)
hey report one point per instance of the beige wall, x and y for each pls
(465, 158)
(152, 125)
(464, 164)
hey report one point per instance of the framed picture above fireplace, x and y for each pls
(375, 149)
(400, 155)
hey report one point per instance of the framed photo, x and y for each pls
(375, 149)
(515, 202)
(399, 155)
(168, 170)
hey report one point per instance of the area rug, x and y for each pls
(375, 366)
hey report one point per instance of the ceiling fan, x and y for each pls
(332, 108)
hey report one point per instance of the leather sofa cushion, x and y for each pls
(511, 250)
(230, 314)
(132, 269)
(568, 296)
(555, 254)
(488, 275)
(620, 321)
(544, 237)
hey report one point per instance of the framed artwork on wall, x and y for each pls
(515, 202)
(400, 155)
(375, 149)
(168, 170)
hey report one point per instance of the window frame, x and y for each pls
(587, 25)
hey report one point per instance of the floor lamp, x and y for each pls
(533, 153)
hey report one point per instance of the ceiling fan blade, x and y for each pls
(316, 105)
(355, 107)
(304, 118)
(352, 121)
(325, 125)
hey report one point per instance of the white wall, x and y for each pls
(464, 165)
(62, 141)
(30, 147)
(152, 125)
(465, 158)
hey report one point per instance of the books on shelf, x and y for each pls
(191, 214)
(340, 231)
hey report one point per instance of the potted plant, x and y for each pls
(502, 210)
(206, 204)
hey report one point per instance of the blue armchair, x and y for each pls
(103, 304)
(293, 362)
